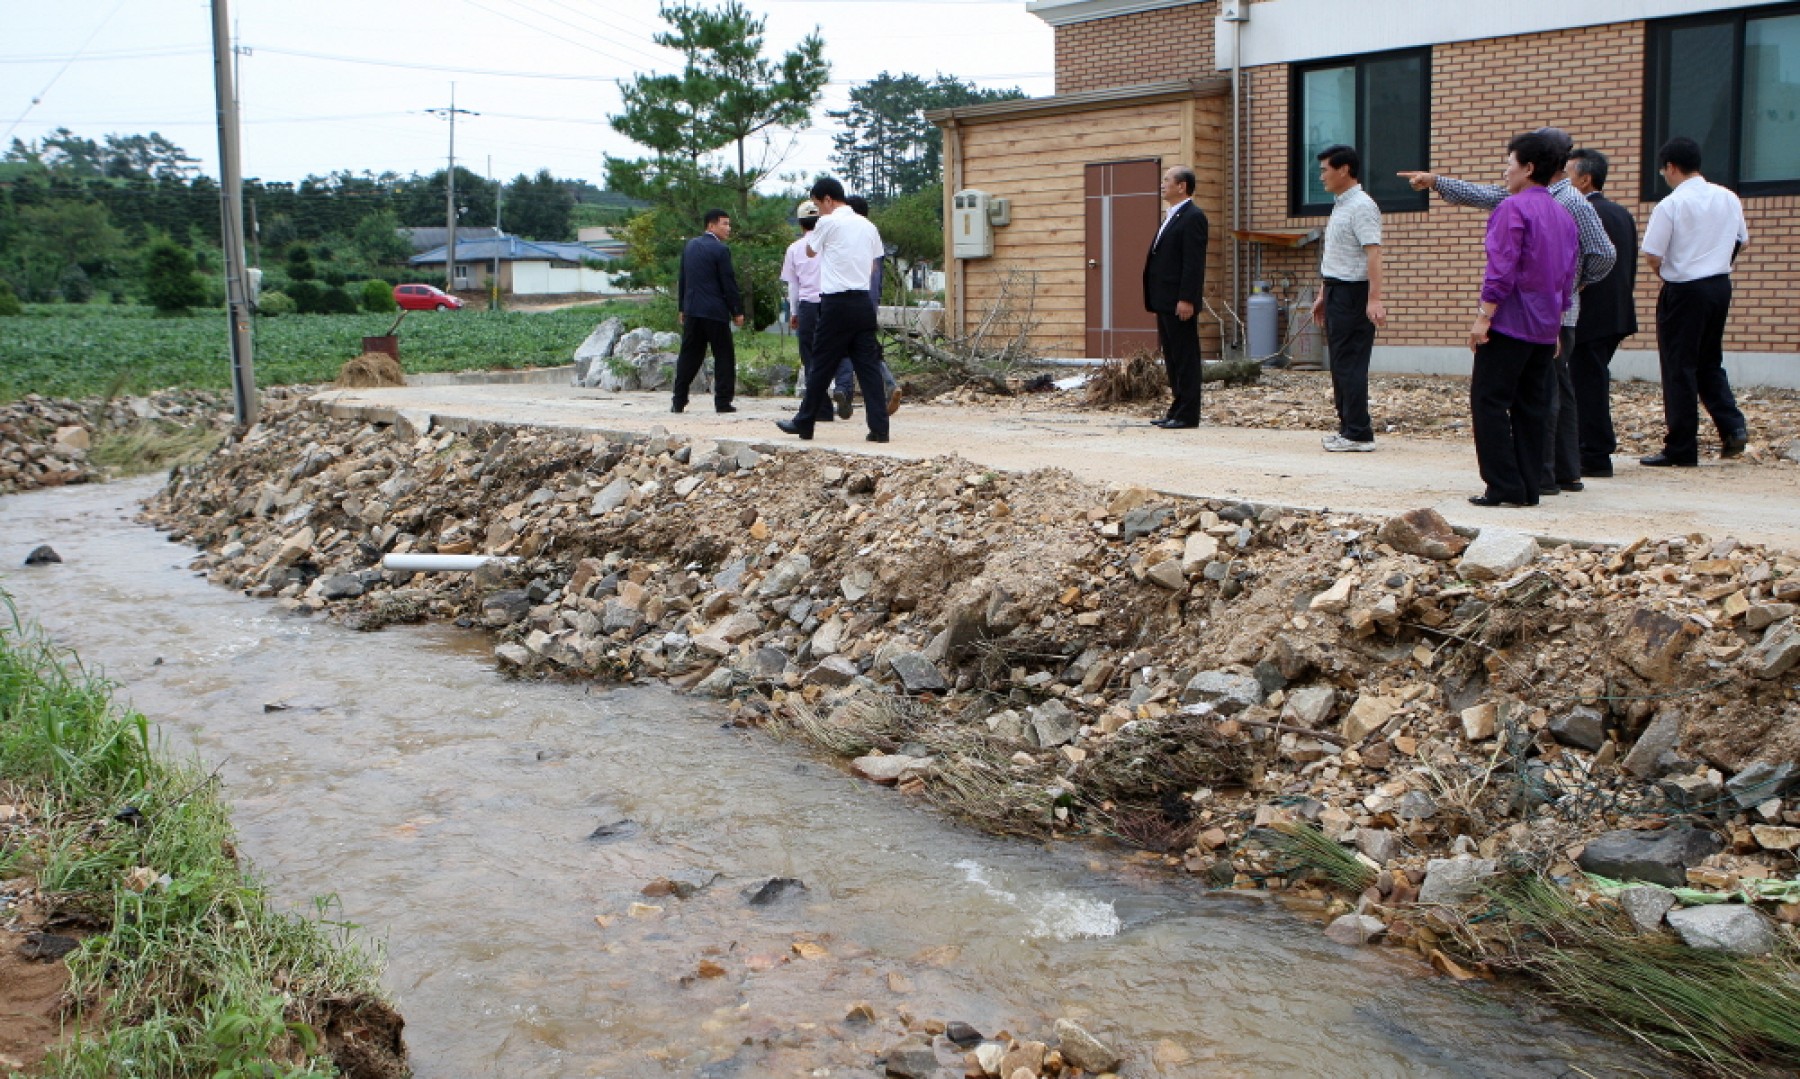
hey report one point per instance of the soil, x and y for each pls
(33, 993)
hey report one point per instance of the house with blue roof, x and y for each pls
(530, 267)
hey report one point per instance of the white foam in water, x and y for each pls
(1058, 915)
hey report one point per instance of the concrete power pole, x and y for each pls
(231, 209)
(450, 191)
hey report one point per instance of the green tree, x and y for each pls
(377, 239)
(9, 303)
(170, 283)
(887, 148)
(914, 224)
(539, 208)
(60, 233)
(378, 297)
(147, 157)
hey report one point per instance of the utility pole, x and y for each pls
(450, 190)
(231, 209)
(494, 281)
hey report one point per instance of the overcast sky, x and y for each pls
(332, 85)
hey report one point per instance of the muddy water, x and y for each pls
(453, 813)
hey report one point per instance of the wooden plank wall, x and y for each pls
(1039, 163)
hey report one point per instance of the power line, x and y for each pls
(157, 52)
(371, 62)
(59, 71)
(549, 33)
(654, 60)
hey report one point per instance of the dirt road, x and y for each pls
(1720, 498)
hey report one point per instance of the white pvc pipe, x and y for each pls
(439, 563)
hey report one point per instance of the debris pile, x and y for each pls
(45, 442)
(1195, 678)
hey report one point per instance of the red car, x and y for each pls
(424, 298)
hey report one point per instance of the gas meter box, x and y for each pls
(973, 214)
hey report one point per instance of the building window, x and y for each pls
(1380, 104)
(1730, 82)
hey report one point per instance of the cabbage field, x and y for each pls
(87, 350)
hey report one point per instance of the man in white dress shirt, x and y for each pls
(845, 245)
(1692, 240)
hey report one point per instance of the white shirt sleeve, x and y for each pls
(1656, 234)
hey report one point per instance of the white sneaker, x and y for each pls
(1340, 444)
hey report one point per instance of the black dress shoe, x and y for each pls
(1164, 422)
(725, 408)
(1596, 472)
(1734, 446)
(1663, 460)
(1550, 489)
(805, 433)
(1178, 425)
(873, 437)
(1489, 500)
(678, 406)
(1571, 485)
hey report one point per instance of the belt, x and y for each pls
(1701, 280)
(1341, 281)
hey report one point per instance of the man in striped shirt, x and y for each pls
(1349, 307)
(1562, 450)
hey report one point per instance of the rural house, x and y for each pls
(527, 267)
(1143, 84)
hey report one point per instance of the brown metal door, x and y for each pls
(1123, 212)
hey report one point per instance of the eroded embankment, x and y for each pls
(1214, 682)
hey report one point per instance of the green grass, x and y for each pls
(85, 350)
(192, 972)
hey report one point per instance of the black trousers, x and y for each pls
(1350, 336)
(1562, 435)
(696, 335)
(1590, 368)
(846, 328)
(1690, 343)
(1180, 340)
(1507, 404)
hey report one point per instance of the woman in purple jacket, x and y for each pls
(1532, 247)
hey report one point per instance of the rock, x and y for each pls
(1227, 692)
(1653, 644)
(988, 1056)
(773, 890)
(888, 768)
(857, 584)
(1309, 706)
(1053, 724)
(962, 1034)
(72, 438)
(1368, 715)
(591, 354)
(611, 497)
(1778, 652)
(1692, 793)
(1478, 721)
(340, 586)
(1645, 906)
(1723, 927)
(1139, 523)
(918, 674)
(1354, 929)
(1581, 727)
(1764, 615)
(1379, 845)
(717, 684)
(785, 576)
(1656, 857)
(1453, 880)
(912, 1057)
(42, 555)
(1167, 573)
(1084, 1050)
(1199, 550)
(1774, 837)
(512, 654)
(1496, 553)
(1424, 533)
(1760, 782)
(767, 663)
(1028, 1055)
(1416, 805)
(834, 671)
(619, 616)
(1660, 737)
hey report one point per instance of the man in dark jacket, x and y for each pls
(706, 298)
(1174, 274)
(1608, 316)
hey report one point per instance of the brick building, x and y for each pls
(1413, 84)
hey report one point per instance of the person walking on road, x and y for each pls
(1608, 316)
(1562, 452)
(1174, 275)
(1692, 241)
(800, 271)
(1349, 308)
(707, 305)
(845, 245)
(1532, 246)
(843, 384)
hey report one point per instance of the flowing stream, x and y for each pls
(452, 813)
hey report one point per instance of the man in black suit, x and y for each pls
(1608, 316)
(1174, 274)
(706, 299)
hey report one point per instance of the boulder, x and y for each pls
(1309, 706)
(611, 497)
(1369, 714)
(340, 586)
(1660, 737)
(835, 671)
(1053, 724)
(1581, 727)
(1653, 644)
(42, 555)
(1140, 522)
(1453, 880)
(1778, 652)
(591, 354)
(1723, 927)
(1083, 1050)
(1227, 691)
(1496, 553)
(1424, 533)
(1656, 857)
(918, 674)
(785, 576)
(912, 1057)
(1645, 906)
(505, 607)
(1354, 929)
(1760, 782)
(888, 767)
